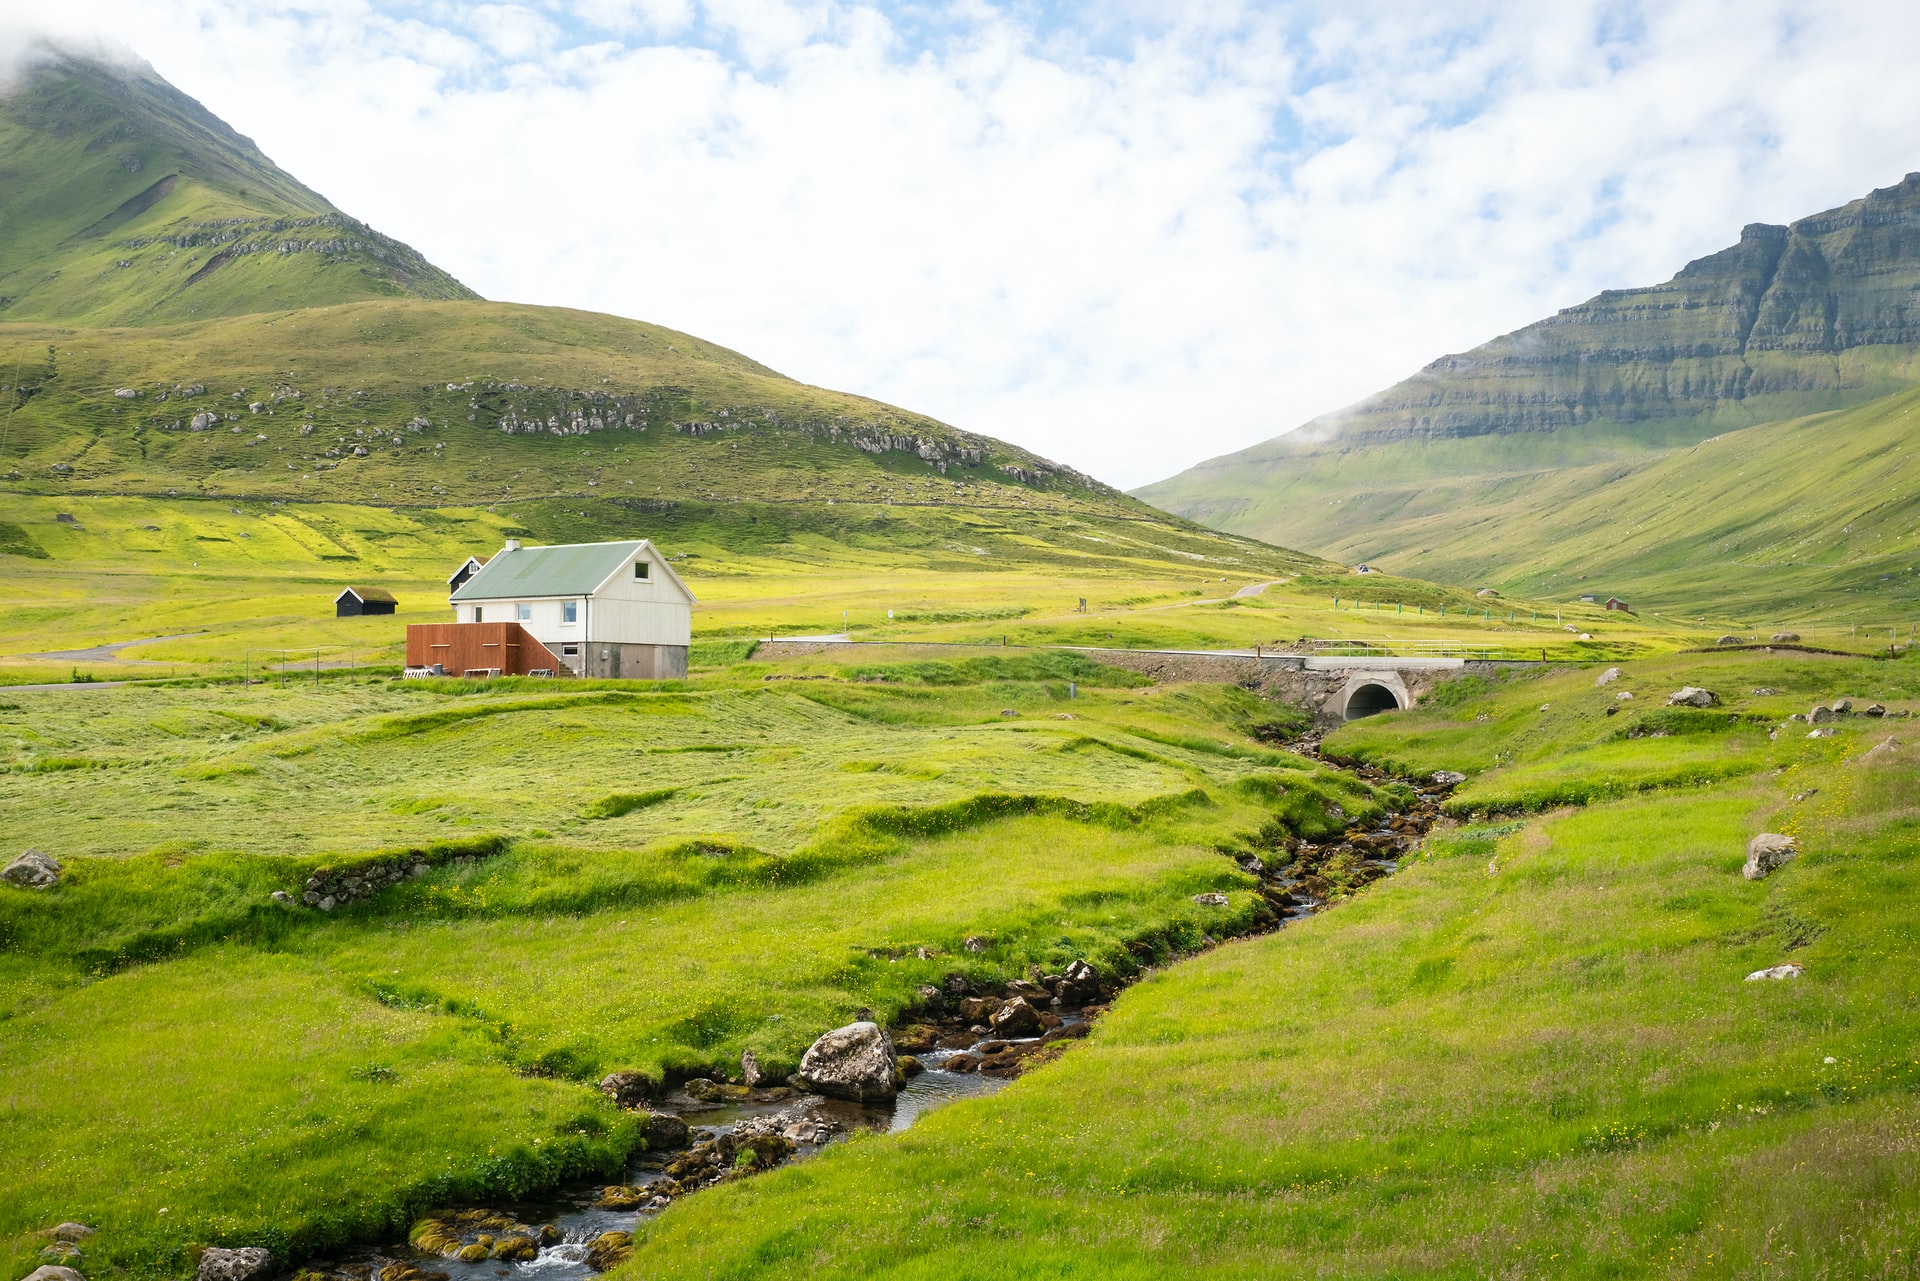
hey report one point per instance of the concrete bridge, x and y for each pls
(1333, 689)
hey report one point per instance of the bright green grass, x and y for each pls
(172, 1038)
(1531, 1053)
(1804, 523)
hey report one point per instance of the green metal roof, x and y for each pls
(572, 569)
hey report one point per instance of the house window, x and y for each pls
(569, 611)
(476, 613)
(569, 651)
(640, 569)
(526, 612)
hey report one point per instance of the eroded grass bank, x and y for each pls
(187, 1061)
(1534, 1052)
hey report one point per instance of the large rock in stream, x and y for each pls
(244, 1264)
(853, 1062)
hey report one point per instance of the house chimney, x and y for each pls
(513, 545)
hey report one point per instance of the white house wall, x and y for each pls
(640, 622)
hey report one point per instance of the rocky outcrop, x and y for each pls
(33, 870)
(1692, 696)
(1767, 851)
(853, 1062)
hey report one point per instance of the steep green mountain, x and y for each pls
(125, 202)
(1791, 321)
(168, 339)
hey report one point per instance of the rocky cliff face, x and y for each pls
(1772, 315)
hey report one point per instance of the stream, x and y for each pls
(565, 1235)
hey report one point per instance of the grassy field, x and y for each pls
(1531, 1053)
(659, 877)
(237, 584)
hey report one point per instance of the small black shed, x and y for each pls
(355, 601)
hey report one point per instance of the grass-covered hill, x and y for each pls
(125, 202)
(220, 401)
(1478, 457)
(1814, 520)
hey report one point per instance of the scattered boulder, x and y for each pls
(750, 1069)
(609, 1250)
(1623, 695)
(665, 1130)
(1873, 709)
(1764, 691)
(33, 870)
(977, 1009)
(72, 1232)
(1879, 751)
(1730, 640)
(1822, 715)
(282, 897)
(1607, 677)
(1486, 591)
(244, 1264)
(1211, 899)
(909, 1066)
(1766, 852)
(1447, 778)
(1016, 1020)
(916, 1038)
(1785, 638)
(931, 998)
(1692, 696)
(516, 1249)
(1788, 971)
(1079, 985)
(1843, 705)
(975, 943)
(629, 1089)
(852, 1062)
(1825, 731)
(54, 1272)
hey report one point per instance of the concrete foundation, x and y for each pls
(606, 661)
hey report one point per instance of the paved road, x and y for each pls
(106, 653)
(1254, 589)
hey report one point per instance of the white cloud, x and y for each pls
(1124, 242)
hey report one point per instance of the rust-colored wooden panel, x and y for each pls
(479, 647)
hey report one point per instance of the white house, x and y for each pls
(605, 609)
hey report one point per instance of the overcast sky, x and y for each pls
(1126, 236)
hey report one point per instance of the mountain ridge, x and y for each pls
(1816, 317)
(124, 201)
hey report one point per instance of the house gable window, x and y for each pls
(640, 570)
(477, 614)
(526, 612)
(569, 611)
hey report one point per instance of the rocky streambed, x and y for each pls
(962, 1041)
